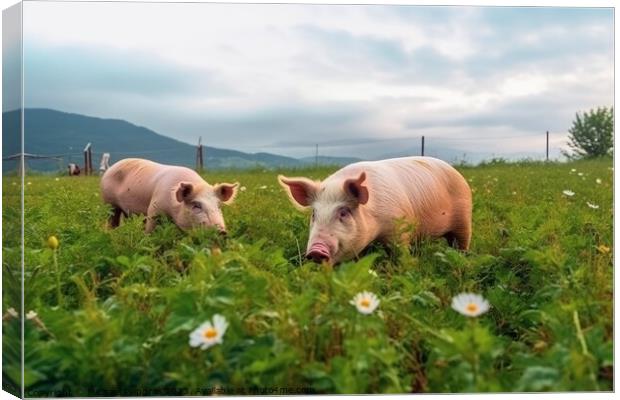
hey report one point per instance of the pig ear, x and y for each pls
(353, 187)
(184, 191)
(301, 190)
(226, 192)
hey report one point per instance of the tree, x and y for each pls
(592, 134)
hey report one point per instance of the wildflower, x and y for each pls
(10, 314)
(373, 273)
(573, 170)
(568, 193)
(57, 179)
(365, 302)
(603, 249)
(14, 183)
(243, 188)
(29, 183)
(592, 205)
(263, 187)
(52, 242)
(470, 304)
(209, 334)
(599, 181)
(580, 174)
(514, 193)
(31, 314)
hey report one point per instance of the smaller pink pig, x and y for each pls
(137, 186)
(365, 201)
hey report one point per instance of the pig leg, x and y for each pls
(460, 235)
(451, 239)
(115, 219)
(151, 214)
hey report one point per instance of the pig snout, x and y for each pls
(319, 252)
(221, 228)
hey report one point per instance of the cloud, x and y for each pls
(358, 80)
(53, 70)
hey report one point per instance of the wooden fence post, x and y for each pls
(199, 158)
(88, 160)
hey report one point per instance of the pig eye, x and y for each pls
(344, 212)
(313, 215)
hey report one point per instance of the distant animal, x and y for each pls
(137, 186)
(105, 163)
(365, 201)
(74, 169)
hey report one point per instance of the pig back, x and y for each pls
(423, 190)
(130, 184)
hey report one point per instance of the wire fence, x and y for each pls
(468, 150)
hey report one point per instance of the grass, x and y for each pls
(115, 307)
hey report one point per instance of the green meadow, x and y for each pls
(111, 311)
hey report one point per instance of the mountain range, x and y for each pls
(64, 135)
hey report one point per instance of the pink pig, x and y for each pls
(136, 186)
(363, 202)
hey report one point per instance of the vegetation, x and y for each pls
(592, 134)
(113, 310)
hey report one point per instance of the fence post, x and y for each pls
(547, 159)
(88, 161)
(199, 159)
(422, 145)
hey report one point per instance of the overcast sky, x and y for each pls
(358, 80)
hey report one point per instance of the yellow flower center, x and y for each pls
(210, 333)
(471, 308)
(365, 303)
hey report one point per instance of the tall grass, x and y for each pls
(130, 300)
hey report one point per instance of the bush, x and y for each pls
(592, 134)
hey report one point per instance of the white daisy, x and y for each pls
(31, 314)
(568, 193)
(592, 205)
(372, 272)
(29, 183)
(580, 174)
(573, 170)
(365, 302)
(599, 181)
(263, 187)
(57, 179)
(209, 334)
(470, 304)
(242, 188)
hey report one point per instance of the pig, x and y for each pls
(74, 169)
(137, 186)
(366, 201)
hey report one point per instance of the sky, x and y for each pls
(363, 81)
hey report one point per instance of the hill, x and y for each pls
(52, 132)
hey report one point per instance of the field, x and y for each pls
(114, 308)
